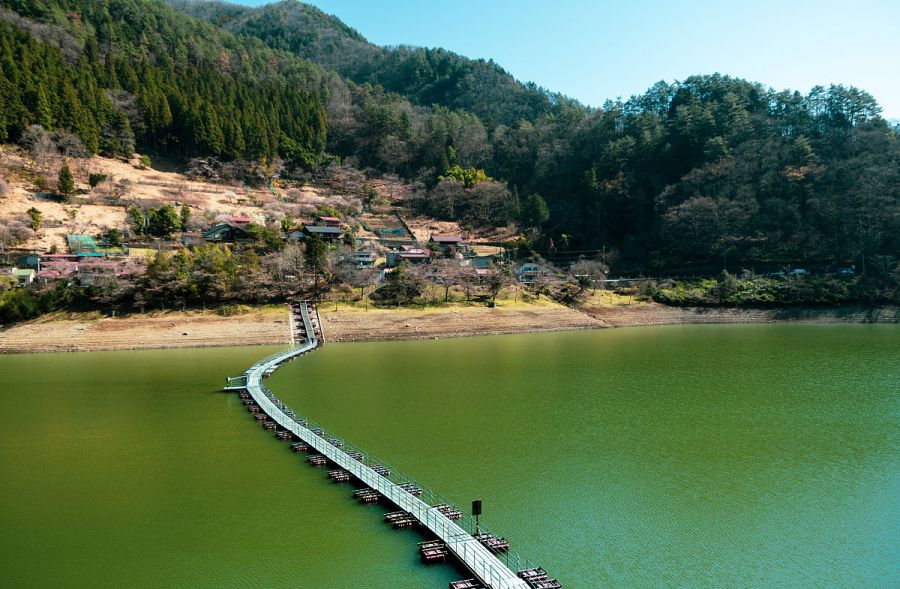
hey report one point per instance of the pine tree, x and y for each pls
(43, 112)
(66, 182)
(185, 214)
(315, 259)
(534, 211)
(118, 138)
(209, 135)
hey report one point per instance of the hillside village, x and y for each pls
(124, 215)
(140, 235)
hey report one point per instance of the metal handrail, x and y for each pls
(477, 558)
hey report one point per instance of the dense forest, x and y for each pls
(698, 173)
(687, 174)
(423, 76)
(127, 73)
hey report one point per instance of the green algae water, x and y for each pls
(697, 456)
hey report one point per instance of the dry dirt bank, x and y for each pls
(652, 314)
(355, 324)
(87, 332)
(165, 330)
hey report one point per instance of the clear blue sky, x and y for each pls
(598, 49)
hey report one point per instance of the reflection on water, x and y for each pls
(758, 456)
(710, 456)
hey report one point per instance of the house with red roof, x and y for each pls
(329, 221)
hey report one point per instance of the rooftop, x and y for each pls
(414, 254)
(446, 238)
(323, 229)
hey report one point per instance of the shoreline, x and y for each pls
(356, 325)
(90, 332)
(655, 314)
(271, 325)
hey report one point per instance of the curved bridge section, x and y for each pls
(484, 564)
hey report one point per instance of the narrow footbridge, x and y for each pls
(486, 566)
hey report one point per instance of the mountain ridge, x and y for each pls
(426, 76)
(698, 172)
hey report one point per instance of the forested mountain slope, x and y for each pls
(424, 76)
(120, 72)
(690, 173)
(687, 173)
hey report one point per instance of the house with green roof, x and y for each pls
(23, 276)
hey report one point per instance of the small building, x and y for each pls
(295, 235)
(447, 244)
(328, 221)
(227, 233)
(240, 220)
(362, 258)
(32, 261)
(325, 232)
(483, 274)
(527, 273)
(48, 258)
(23, 276)
(192, 239)
(408, 253)
(446, 240)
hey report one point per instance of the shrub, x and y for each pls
(95, 178)
(18, 305)
(35, 216)
(233, 310)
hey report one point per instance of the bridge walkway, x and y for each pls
(481, 562)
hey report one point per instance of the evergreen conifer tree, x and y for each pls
(66, 182)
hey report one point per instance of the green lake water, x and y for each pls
(696, 456)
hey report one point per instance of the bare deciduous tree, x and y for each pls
(69, 145)
(393, 152)
(497, 280)
(13, 231)
(465, 277)
(589, 272)
(40, 146)
(445, 274)
(543, 278)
